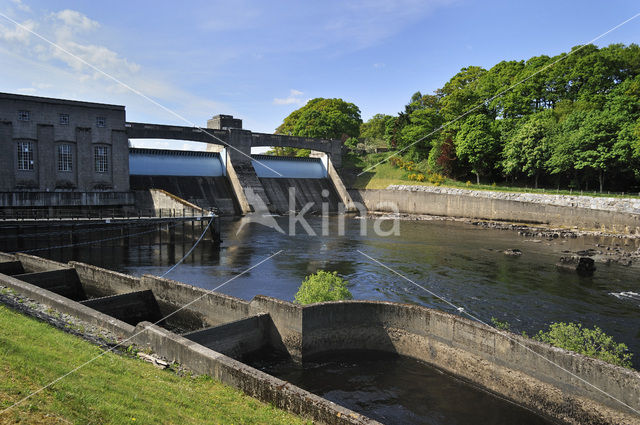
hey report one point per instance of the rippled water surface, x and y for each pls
(460, 262)
(398, 391)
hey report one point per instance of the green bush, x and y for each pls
(590, 342)
(505, 326)
(322, 286)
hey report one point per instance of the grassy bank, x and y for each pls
(384, 174)
(111, 390)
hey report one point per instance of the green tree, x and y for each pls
(477, 145)
(528, 150)
(372, 132)
(590, 342)
(322, 286)
(323, 118)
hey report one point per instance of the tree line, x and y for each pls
(572, 120)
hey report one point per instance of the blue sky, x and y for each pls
(261, 60)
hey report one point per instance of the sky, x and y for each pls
(260, 60)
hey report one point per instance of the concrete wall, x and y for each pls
(497, 209)
(29, 199)
(253, 382)
(45, 131)
(566, 386)
(506, 364)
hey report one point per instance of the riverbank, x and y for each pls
(113, 389)
(559, 213)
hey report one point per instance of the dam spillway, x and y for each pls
(284, 183)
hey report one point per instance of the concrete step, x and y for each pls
(235, 339)
(132, 308)
(64, 282)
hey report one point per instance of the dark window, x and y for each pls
(64, 119)
(101, 121)
(24, 115)
(25, 156)
(101, 158)
(65, 158)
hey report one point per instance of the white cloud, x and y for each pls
(21, 6)
(379, 65)
(18, 34)
(294, 98)
(76, 21)
(44, 69)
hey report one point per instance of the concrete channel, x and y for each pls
(215, 332)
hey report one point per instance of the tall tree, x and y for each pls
(477, 145)
(323, 118)
(528, 150)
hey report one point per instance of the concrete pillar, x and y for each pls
(240, 146)
(7, 159)
(46, 162)
(120, 160)
(84, 160)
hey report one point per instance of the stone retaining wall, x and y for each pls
(474, 205)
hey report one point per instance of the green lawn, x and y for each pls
(113, 389)
(385, 174)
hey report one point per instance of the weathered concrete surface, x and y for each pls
(33, 264)
(460, 205)
(342, 191)
(628, 205)
(132, 308)
(161, 199)
(517, 368)
(65, 305)
(204, 308)
(63, 282)
(286, 335)
(235, 339)
(252, 381)
(566, 386)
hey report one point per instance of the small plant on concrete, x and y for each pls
(590, 342)
(322, 286)
(504, 326)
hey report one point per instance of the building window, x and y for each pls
(101, 121)
(65, 158)
(24, 115)
(64, 119)
(101, 157)
(25, 156)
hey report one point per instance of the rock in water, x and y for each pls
(512, 252)
(584, 266)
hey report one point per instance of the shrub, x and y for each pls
(436, 178)
(420, 177)
(322, 286)
(468, 183)
(505, 326)
(590, 342)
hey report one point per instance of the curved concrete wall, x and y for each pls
(443, 204)
(533, 374)
(566, 386)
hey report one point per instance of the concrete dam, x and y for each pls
(286, 183)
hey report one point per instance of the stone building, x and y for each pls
(55, 145)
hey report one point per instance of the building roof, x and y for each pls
(23, 97)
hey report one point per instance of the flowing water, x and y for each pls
(459, 262)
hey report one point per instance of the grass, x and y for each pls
(385, 174)
(112, 390)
